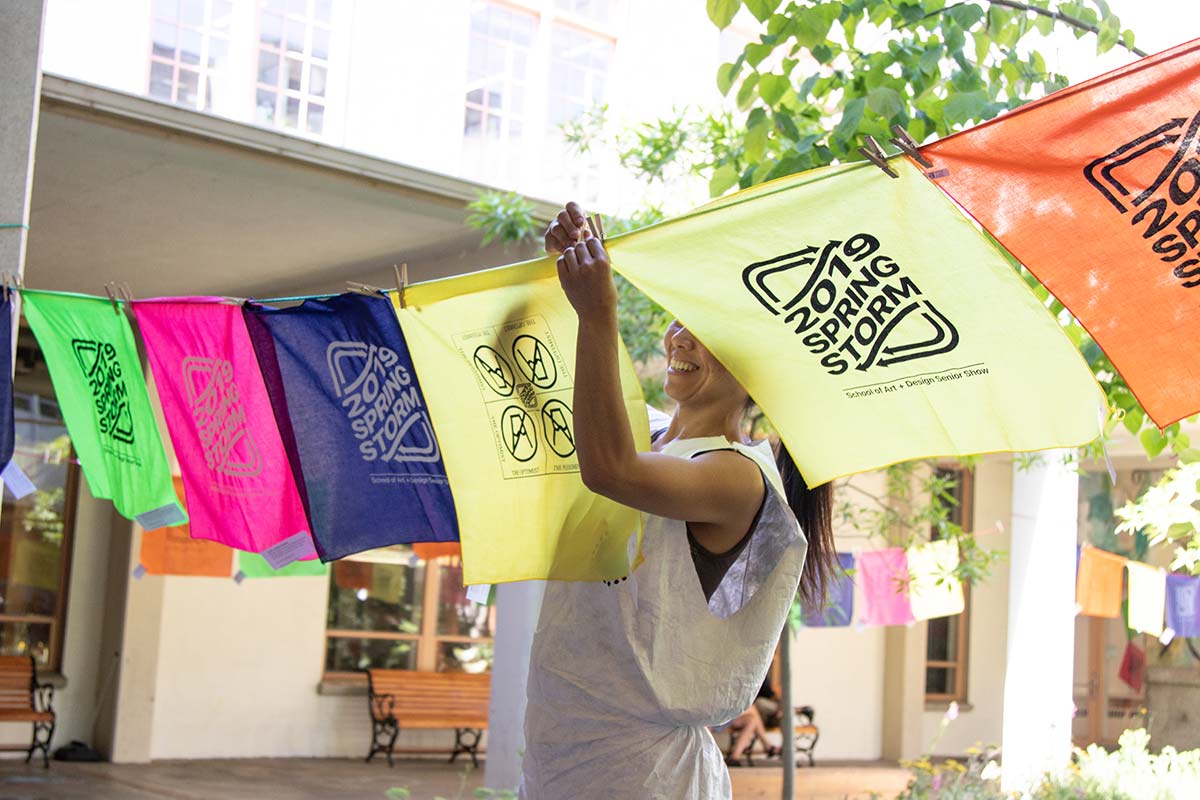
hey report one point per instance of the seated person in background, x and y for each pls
(752, 722)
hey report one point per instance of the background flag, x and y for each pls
(173, 551)
(870, 320)
(934, 590)
(1098, 582)
(98, 380)
(1094, 188)
(7, 426)
(1147, 597)
(839, 606)
(253, 565)
(239, 482)
(884, 576)
(355, 422)
(1183, 605)
(496, 355)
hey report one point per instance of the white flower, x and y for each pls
(952, 712)
(991, 771)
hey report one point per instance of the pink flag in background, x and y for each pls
(884, 578)
(240, 488)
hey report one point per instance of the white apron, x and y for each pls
(625, 677)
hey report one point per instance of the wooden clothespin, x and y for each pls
(401, 282)
(112, 297)
(597, 227)
(906, 144)
(126, 295)
(874, 153)
(364, 288)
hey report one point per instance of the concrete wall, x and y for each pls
(980, 718)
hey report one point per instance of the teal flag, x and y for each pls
(98, 380)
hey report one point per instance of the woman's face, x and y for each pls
(693, 374)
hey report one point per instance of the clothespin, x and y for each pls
(597, 227)
(126, 294)
(874, 153)
(364, 288)
(906, 144)
(112, 297)
(401, 282)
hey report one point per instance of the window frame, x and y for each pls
(961, 622)
(509, 79)
(57, 621)
(204, 69)
(428, 639)
(304, 95)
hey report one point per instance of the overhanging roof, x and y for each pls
(174, 201)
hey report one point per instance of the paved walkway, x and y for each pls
(343, 779)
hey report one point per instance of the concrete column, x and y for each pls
(517, 608)
(20, 94)
(1041, 620)
(904, 691)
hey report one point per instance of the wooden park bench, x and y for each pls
(804, 737)
(23, 699)
(429, 700)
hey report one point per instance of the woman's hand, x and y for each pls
(584, 270)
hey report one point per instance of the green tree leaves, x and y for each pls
(722, 12)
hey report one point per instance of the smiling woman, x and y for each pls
(624, 711)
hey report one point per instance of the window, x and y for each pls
(399, 612)
(596, 10)
(497, 65)
(293, 64)
(189, 50)
(578, 69)
(946, 646)
(36, 531)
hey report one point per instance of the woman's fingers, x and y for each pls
(570, 260)
(569, 226)
(595, 248)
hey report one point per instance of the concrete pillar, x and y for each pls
(517, 608)
(904, 691)
(1041, 620)
(20, 94)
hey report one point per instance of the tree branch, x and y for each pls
(1058, 15)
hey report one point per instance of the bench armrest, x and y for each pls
(43, 698)
(382, 706)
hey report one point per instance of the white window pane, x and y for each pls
(479, 20)
(298, 7)
(516, 100)
(514, 129)
(295, 68)
(265, 107)
(519, 64)
(522, 30)
(292, 112)
(475, 97)
(208, 95)
(275, 5)
(222, 14)
(166, 9)
(473, 123)
(316, 81)
(295, 36)
(162, 79)
(192, 13)
(476, 58)
(189, 46)
(494, 100)
(189, 87)
(271, 30)
(316, 118)
(165, 36)
(218, 51)
(493, 126)
(320, 46)
(268, 67)
(323, 11)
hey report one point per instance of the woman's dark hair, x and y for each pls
(814, 511)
